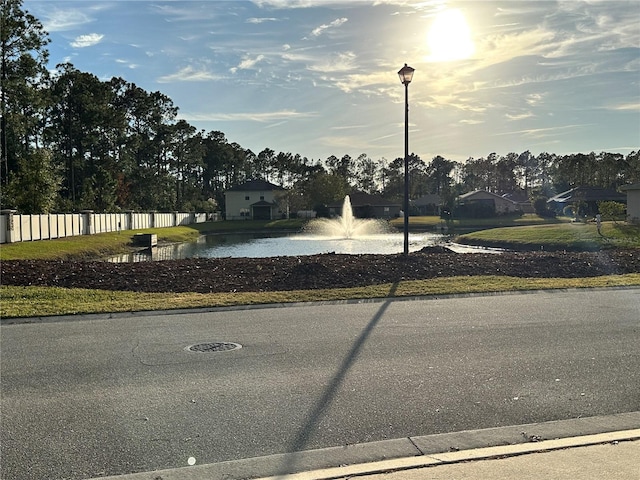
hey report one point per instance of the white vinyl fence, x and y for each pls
(23, 228)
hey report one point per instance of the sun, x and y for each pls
(449, 37)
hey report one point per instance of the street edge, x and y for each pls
(487, 453)
(411, 452)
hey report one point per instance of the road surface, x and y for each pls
(93, 396)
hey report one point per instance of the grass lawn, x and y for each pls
(46, 301)
(569, 236)
(433, 221)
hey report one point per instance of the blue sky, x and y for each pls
(319, 77)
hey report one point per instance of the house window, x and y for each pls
(247, 197)
(261, 197)
(386, 209)
(244, 212)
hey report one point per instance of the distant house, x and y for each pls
(633, 202)
(588, 196)
(365, 205)
(501, 205)
(428, 204)
(253, 200)
(522, 200)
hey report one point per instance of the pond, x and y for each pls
(259, 245)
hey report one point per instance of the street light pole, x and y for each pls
(406, 75)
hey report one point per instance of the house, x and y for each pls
(501, 205)
(253, 200)
(428, 204)
(365, 205)
(588, 196)
(521, 198)
(633, 202)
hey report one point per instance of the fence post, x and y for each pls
(10, 225)
(88, 215)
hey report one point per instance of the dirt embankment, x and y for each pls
(310, 272)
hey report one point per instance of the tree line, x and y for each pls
(70, 141)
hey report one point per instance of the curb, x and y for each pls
(449, 458)
(413, 452)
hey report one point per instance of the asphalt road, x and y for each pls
(95, 395)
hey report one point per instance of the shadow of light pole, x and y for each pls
(324, 402)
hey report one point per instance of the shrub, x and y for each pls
(611, 210)
(541, 209)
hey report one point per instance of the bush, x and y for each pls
(611, 210)
(541, 209)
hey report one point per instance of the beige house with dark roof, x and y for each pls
(253, 200)
(502, 205)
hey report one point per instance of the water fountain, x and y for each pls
(346, 226)
(344, 234)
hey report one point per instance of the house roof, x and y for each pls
(475, 193)
(256, 185)
(263, 203)
(587, 194)
(633, 186)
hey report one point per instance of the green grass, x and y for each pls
(47, 301)
(569, 236)
(433, 221)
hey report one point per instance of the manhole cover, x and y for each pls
(212, 347)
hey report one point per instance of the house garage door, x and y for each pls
(262, 213)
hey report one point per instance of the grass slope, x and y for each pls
(47, 301)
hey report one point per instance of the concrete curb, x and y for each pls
(414, 452)
(457, 457)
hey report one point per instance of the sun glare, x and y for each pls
(449, 37)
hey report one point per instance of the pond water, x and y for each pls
(259, 245)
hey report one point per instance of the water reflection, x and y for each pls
(277, 245)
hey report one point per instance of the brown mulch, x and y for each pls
(310, 272)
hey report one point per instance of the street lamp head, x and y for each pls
(406, 74)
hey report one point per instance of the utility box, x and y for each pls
(147, 240)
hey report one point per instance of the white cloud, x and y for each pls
(247, 63)
(322, 28)
(184, 12)
(534, 98)
(127, 63)
(258, 21)
(543, 132)
(61, 20)
(632, 106)
(262, 117)
(358, 81)
(89, 40)
(189, 74)
(519, 116)
(340, 62)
